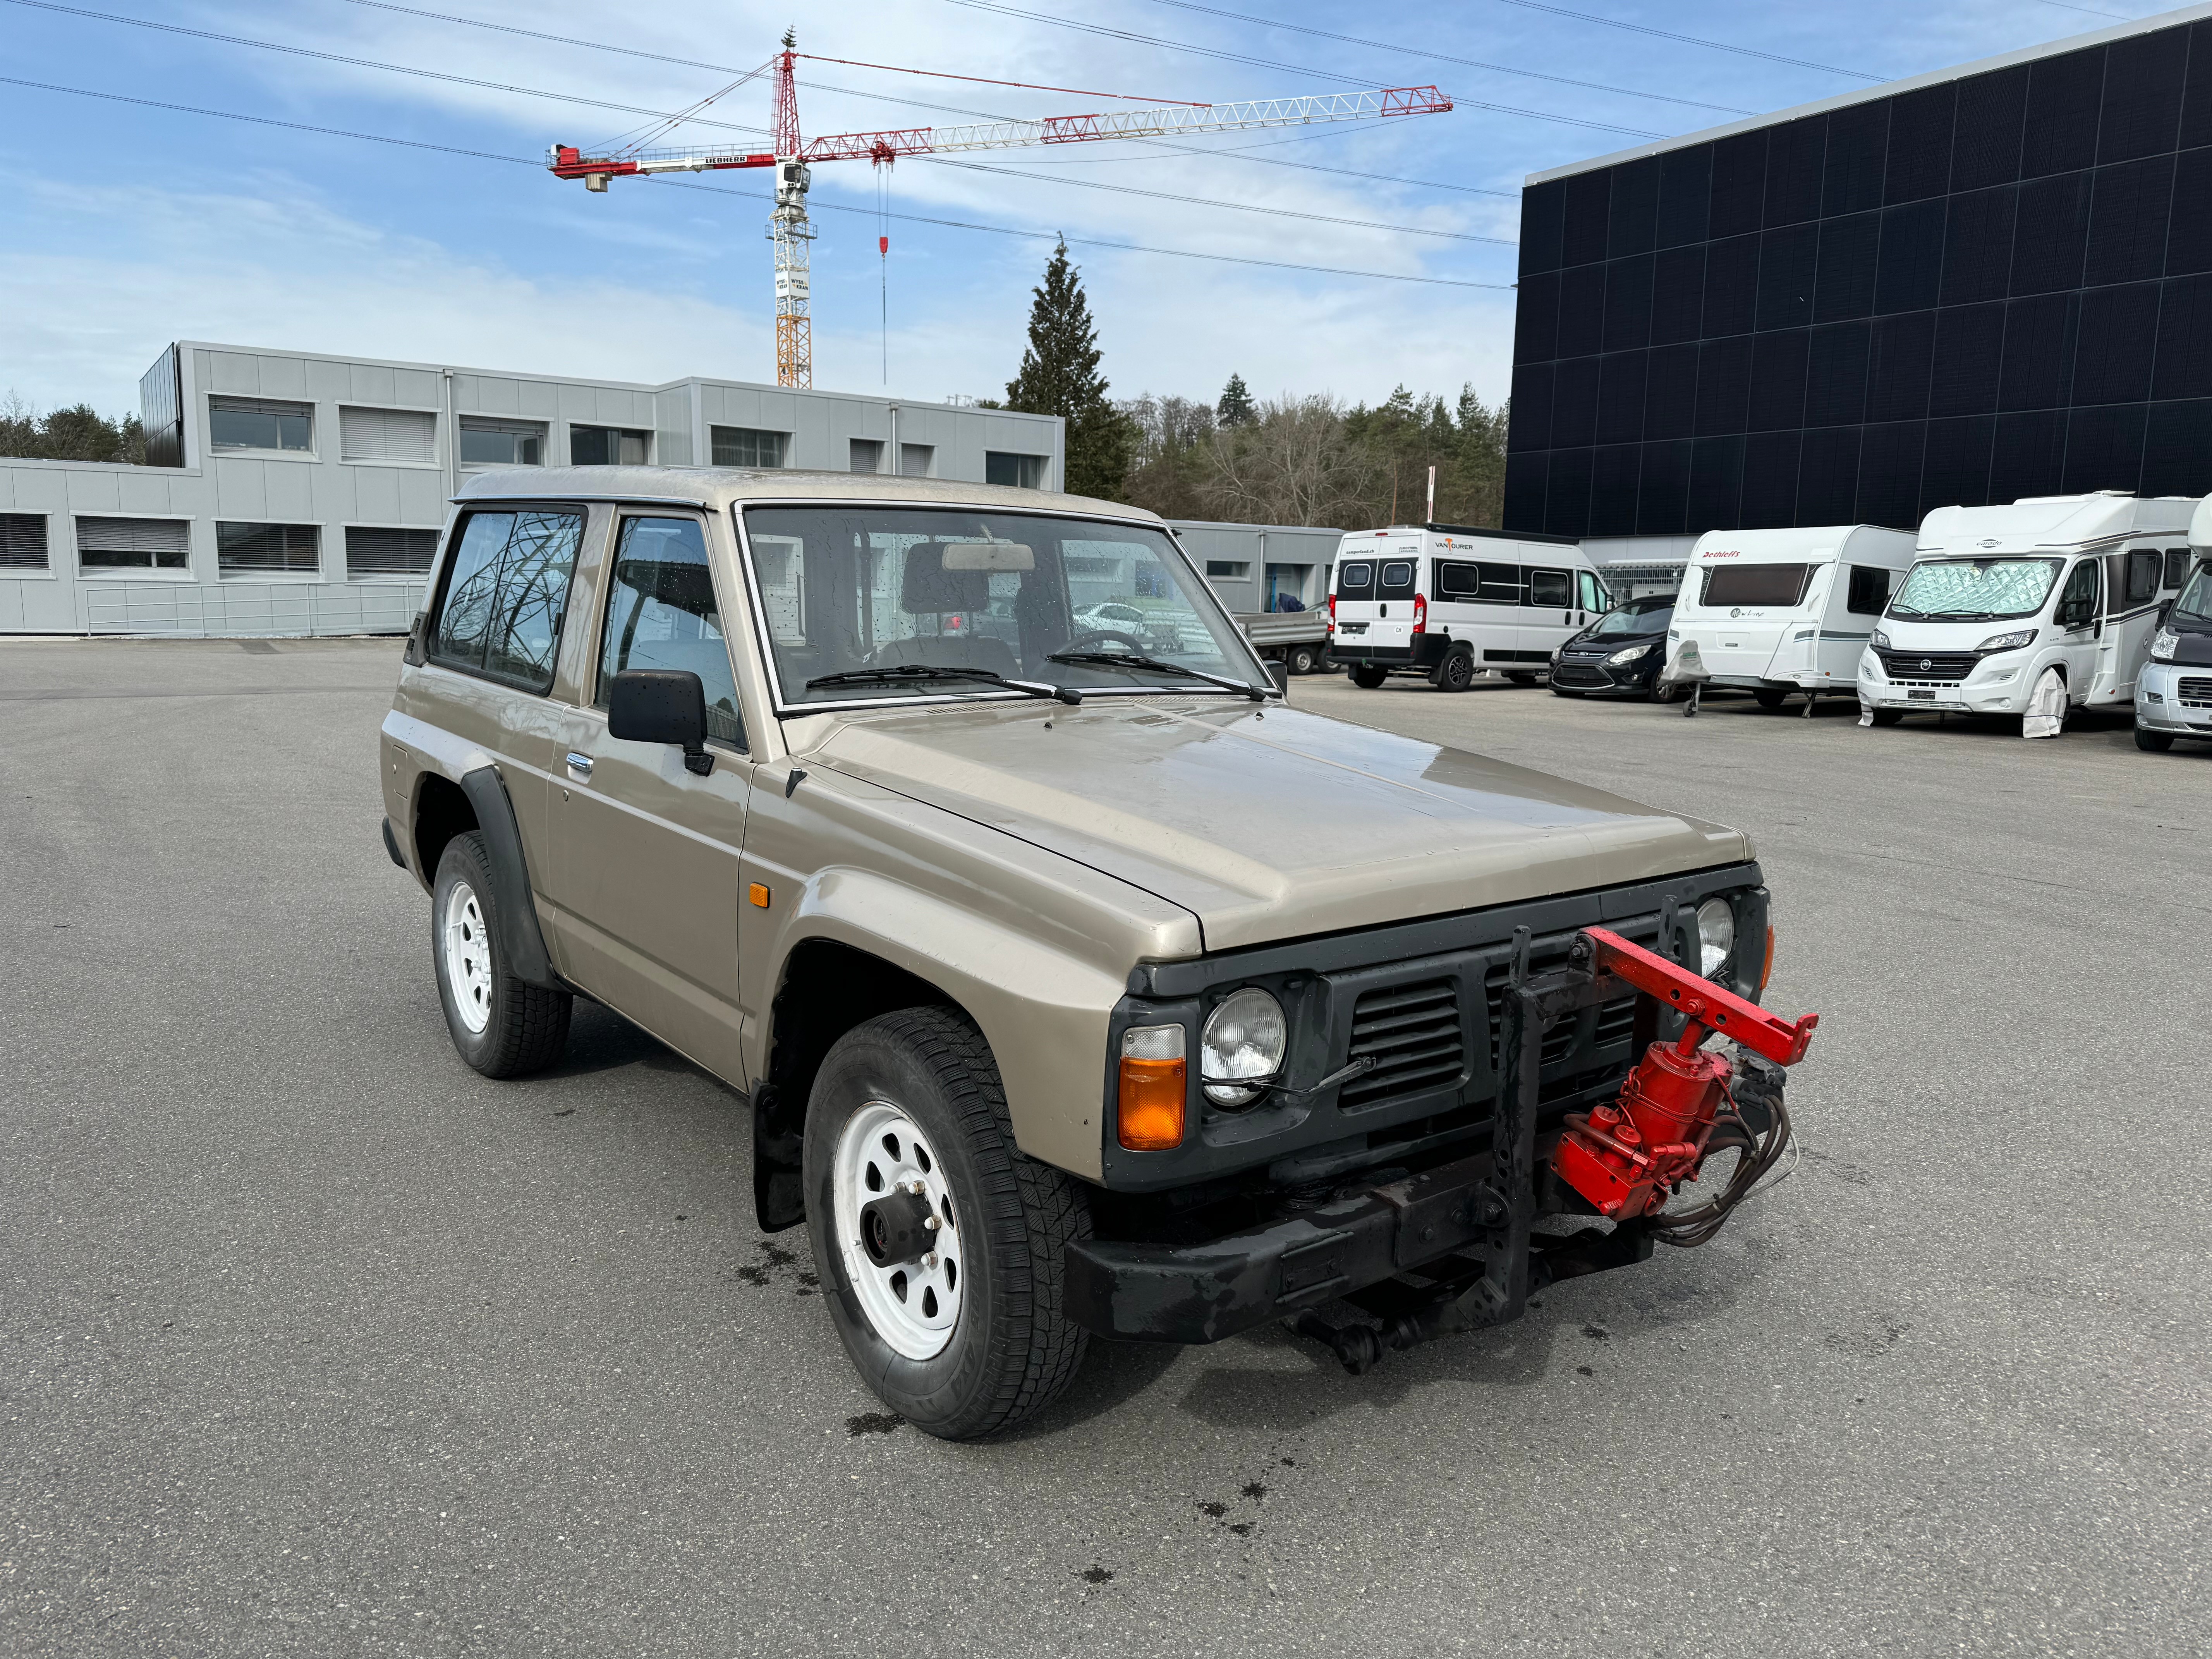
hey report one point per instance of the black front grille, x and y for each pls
(1576, 673)
(1928, 664)
(1414, 1034)
(2195, 691)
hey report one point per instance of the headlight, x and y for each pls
(2012, 641)
(1242, 1045)
(1716, 935)
(1629, 655)
(2164, 644)
(1881, 641)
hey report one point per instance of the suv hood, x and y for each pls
(1268, 827)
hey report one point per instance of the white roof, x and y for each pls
(1813, 544)
(2055, 521)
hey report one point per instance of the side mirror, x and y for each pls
(661, 705)
(1280, 673)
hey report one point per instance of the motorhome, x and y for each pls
(1451, 602)
(2173, 693)
(2031, 609)
(1774, 611)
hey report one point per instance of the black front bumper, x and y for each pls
(1591, 674)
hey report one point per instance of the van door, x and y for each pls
(646, 855)
(1351, 601)
(2131, 613)
(1396, 573)
(1548, 611)
(2080, 615)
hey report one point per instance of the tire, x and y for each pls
(1367, 679)
(1520, 677)
(1303, 659)
(1888, 716)
(1771, 697)
(502, 1026)
(2153, 743)
(1456, 672)
(1659, 693)
(923, 1079)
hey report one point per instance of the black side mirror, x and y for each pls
(1279, 673)
(661, 705)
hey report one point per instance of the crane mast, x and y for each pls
(791, 157)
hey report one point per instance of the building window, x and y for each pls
(502, 443)
(1234, 570)
(867, 455)
(1015, 471)
(387, 435)
(917, 461)
(264, 549)
(22, 541)
(606, 446)
(133, 544)
(260, 423)
(742, 446)
(373, 551)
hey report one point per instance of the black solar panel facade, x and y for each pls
(1997, 287)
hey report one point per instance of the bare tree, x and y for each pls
(1291, 464)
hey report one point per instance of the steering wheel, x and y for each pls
(1083, 641)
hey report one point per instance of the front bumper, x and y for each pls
(1577, 673)
(1993, 685)
(2175, 698)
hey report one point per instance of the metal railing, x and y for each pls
(273, 610)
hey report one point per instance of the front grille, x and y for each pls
(1574, 673)
(1928, 667)
(1413, 1032)
(2197, 691)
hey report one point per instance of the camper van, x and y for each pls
(2059, 594)
(1774, 611)
(1449, 602)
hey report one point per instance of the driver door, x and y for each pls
(2080, 614)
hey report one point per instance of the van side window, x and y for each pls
(1551, 590)
(1398, 576)
(1501, 584)
(661, 613)
(2145, 566)
(2177, 567)
(1869, 591)
(506, 591)
(2077, 605)
(1458, 581)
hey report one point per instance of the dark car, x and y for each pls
(1622, 651)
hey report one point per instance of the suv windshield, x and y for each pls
(2195, 604)
(852, 591)
(1634, 618)
(1975, 590)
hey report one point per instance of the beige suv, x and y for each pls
(1077, 984)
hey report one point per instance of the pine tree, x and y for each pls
(1060, 376)
(1235, 408)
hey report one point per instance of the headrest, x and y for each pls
(927, 588)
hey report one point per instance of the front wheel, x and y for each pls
(2154, 743)
(2046, 706)
(1367, 679)
(1887, 716)
(940, 1246)
(502, 1027)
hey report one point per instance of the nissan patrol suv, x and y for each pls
(1077, 983)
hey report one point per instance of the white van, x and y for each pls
(1450, 601)
(1773, 612)
(2060, 592)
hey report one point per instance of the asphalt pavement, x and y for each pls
(314, 1342)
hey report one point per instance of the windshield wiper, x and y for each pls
(1117, 660)
(906, 671)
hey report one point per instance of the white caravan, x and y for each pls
(1773, 612)
(1449, 602)
(2055, 595)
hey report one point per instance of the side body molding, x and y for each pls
(524, 945)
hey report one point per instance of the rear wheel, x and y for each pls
(1771, 697)
(1456, 672)
(1367, 677)
(502, 1026)
(2155, 742)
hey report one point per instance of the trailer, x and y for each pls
(1296, 639)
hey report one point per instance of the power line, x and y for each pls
(532, 92)
(1446, 58)
(757, 196)
(1135, 38)
(1692, 39)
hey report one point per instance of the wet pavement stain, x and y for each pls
(872, 1423)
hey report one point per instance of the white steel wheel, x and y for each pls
(914, 1302)
(467, 944)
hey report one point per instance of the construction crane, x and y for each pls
(792, 158)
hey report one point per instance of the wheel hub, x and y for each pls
(467, 944)
(898, 1231)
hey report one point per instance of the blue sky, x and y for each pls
(126, 226)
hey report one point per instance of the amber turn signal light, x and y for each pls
(1767, 972)
(1152, 1096)
(758, 894)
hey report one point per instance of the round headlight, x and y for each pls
(1716, 935)
(1242, 1047)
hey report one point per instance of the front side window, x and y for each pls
(852, 591)
(502, 443)
(2195, 604)
(260, 424)
(1595, 597)
(1756, 584)
(1975, 590)
(662, 613)
(1550, 590)
(2077, 604)
(258, 549)
(606, 446)
(744, 446)
(1869, 591)
(506, 590)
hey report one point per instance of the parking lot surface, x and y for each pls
(313, 1341)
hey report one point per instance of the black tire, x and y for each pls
(1366, 678)
(2153, 743)
(524, 1027)
(1771, 697)
(1888, 716)
(1456, 672)
(1303, 659)
(1520, 676)
(1014, 1346)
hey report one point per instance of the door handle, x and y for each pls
(580, 762)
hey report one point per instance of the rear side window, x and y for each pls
(1501, 584)
(1756, 584)
(505, 593)
(2145, 567)
(1551, 590)
(1398, 576)
(661, 613)
(1869, 591)
(1355, 579)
